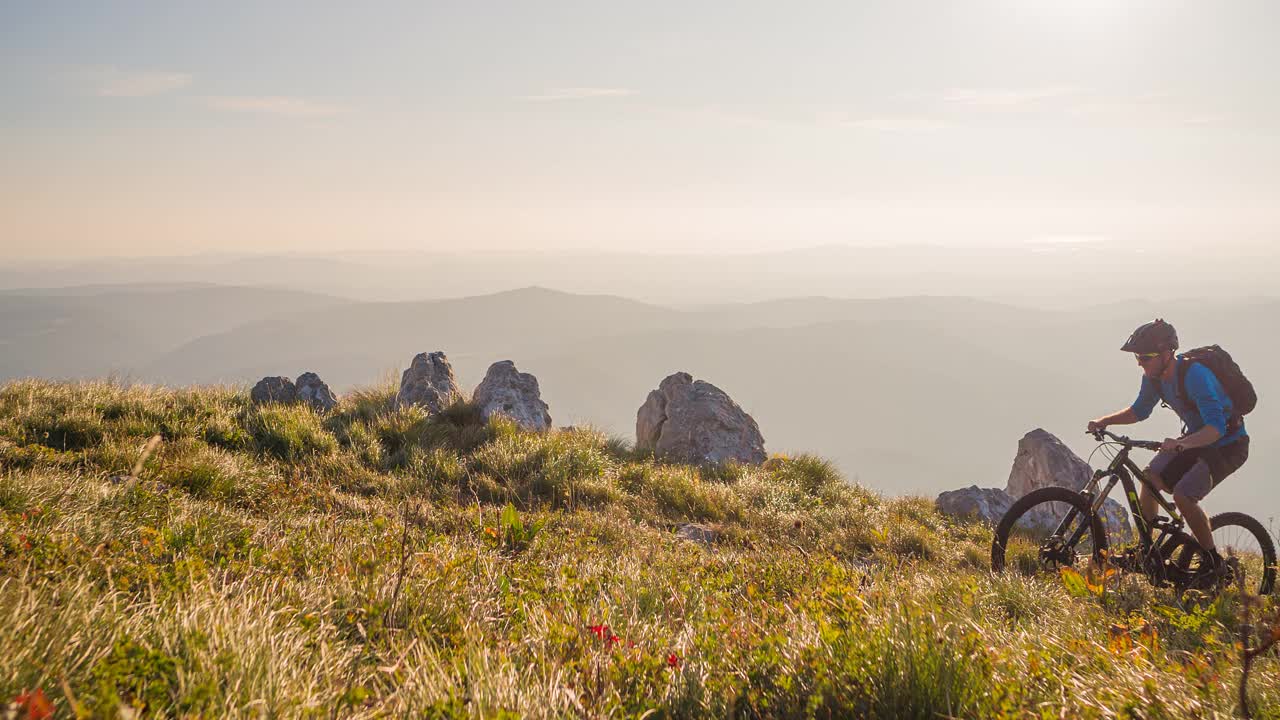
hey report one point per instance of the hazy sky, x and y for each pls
(174, 127)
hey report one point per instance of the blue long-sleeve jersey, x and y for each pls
(1207, 403)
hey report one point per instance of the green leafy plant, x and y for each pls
(512, 534)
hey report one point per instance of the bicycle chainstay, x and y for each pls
(1155, 560)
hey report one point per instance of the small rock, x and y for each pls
(314, 392)
(703, 535)
(428, 382)
(274, 390)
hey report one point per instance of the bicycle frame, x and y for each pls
(1123, 470)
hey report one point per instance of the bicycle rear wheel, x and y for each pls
(1026, 537)
(1246, 545)
(1242, 537)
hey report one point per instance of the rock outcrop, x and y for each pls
(314, 392)
(1042, 461)
(428, 382)
(507, 391)
(988, 504)
(274, 390)
(696, 422)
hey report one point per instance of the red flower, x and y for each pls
(33, 705)
(604, 633)
(673, 660)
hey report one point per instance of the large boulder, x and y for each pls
(274, 390)
(696, 422)
(507, 391)
(428, 382)
(314, 392)
(1042, 461)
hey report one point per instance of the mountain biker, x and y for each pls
(1214, 444)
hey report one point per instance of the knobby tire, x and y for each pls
(1096, 534)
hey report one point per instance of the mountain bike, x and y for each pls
(1056, 527)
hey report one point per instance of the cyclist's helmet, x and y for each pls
(1155, 336)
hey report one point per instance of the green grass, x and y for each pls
(276, 562)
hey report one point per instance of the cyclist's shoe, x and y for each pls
(1224, 570)
(1215, 574)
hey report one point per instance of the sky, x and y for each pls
(174, 128)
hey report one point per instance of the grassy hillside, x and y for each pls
(270, 562)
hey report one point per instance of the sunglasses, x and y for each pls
(1146, 357)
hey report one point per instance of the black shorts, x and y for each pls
(1196, 471)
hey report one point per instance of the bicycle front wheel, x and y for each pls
(1048, 529)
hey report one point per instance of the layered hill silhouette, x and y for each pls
(915, 394)
(99, 329)
(1052, 274)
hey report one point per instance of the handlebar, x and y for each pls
(1102, 434)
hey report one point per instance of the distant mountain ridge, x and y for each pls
(1061, 275)
(909, 394)
(97, 330)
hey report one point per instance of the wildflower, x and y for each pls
(33, 705)
(604, 633)
(673, 661)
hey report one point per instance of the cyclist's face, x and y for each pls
(1152, 364)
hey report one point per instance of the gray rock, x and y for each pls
(696, 533)
(314, 392)
(1042, 461)
(1115, 519)
(274, 390)
(1045, 461)
(507, 391)
(989, 504)
(428, 382)
(697, 422)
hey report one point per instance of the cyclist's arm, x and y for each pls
(1206, 435)
(1123, 417)
(1148, 395)
(1140, 409)
(1206, 392)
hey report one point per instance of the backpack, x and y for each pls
(1243, 397)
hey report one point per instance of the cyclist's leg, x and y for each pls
(1166, 468)
(1212, 467)
(1187, 494)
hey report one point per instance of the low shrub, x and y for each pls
(290, 433)
(207, 472)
